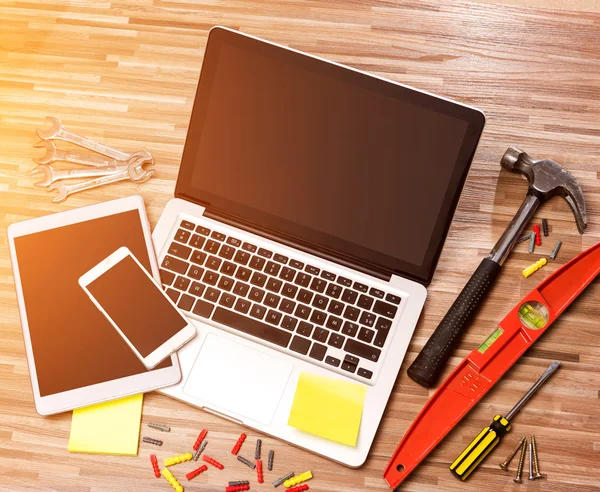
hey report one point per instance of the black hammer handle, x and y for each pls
(430, 362)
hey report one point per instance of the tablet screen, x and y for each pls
(73, 344)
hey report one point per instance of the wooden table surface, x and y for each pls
(125, 72)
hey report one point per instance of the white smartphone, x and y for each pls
(137, 307)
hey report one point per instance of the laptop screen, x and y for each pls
(327, 156)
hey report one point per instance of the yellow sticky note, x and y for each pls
(327, 407)
(107, 428)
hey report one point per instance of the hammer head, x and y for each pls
(548, 178)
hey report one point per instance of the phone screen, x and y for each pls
(137, 306)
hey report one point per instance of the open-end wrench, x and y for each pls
(134, 172)
(59, 132)
(53, 154)
(51, 175)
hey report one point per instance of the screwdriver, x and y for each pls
(487, 439)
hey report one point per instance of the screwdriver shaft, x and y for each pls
(547, 373)
(489, 437)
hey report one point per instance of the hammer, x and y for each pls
(546, 179)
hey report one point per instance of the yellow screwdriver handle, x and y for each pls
(479, 448)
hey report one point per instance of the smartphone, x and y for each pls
(137, 307)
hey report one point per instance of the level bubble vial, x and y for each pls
(534, 315)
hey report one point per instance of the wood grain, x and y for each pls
(125, 71)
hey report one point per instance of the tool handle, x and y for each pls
(430, 362)
(479, 448)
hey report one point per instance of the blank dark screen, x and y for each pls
(137, 306)
(327, 154)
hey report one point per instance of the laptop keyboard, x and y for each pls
(299, 307)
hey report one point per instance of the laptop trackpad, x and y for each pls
(231, 377)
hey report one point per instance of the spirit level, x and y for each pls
(476, 374)
(489, 437)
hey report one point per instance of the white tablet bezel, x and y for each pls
(174, 343)
(108, 390)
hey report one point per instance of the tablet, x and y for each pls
(75, 356)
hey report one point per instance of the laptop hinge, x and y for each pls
(297, 243)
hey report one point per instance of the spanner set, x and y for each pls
(110, 166)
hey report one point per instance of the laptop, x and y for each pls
(310, 210)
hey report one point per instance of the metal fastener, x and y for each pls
(524, 238)
(197, 454)
(149, 440)
(258, 448)
(280, 480)
(246, 462)
(536, 466)
(270, 462)
(521, 462)
(531, 242)
(504, 464)
(160, 427)
(555, 250)
(531, 477)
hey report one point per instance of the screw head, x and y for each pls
(503, 466)
(537, 475)
(517, 480)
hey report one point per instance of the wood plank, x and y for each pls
(125, 72)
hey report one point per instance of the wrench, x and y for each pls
(59, 132)
(51, 175)
(134, 172)
(54, 154)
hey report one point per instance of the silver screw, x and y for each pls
(521, 462)
(504, 464)
(536, 466)
(531, 477)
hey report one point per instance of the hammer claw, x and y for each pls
(580, 214)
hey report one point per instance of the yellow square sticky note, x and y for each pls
(327, 407)
(107, 428)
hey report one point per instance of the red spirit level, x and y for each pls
(476, 374)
